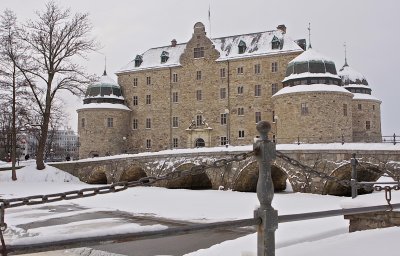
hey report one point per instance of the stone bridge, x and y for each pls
(331, 159)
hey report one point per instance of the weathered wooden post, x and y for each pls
(265, 152)
(353, 181)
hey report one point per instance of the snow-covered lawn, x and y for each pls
(328, 236)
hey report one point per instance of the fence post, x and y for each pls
(265, 152)
(353, 181)
(394, 138)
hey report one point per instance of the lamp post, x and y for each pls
(227, 127)
(276, 128)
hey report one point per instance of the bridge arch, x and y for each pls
(246, 180)
(96, 176)
(365, 172)
(195, 182)
(132, 173)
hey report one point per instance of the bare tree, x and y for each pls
(55, 39)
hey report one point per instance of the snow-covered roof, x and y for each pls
(363, 96)
(256, 44)
(312, 88)
(104, 80)
(351, 76)
(308, 74)
(361, 86)
(104, 106)
(311, 55)
(105, 87)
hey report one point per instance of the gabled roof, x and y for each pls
(257, 44)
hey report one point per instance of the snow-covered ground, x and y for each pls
(328, 236)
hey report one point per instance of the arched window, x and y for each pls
(138, 60)
(164, 56)
(200, 143)
(242, 47)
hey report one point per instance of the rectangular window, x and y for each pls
(199, 120)
(135, 81)
(258, 117)
(175, 122)
(148, 80)
(273, 117)
(257, 90)
(359, 107)
(345, 109)
(135, 100)
(223, 140)
(223, 118)
(174, 78)
(257, 69)
(135, 124)
(274, 67)
(304, 108)
(368, 125)
(198, 52)
(240, 89)
(240, 70)
(175, 143)
(148, 143)
(373, 107)
(110, 122)
(241, 133)
(148, 123)
(198, 95)
(83, 122)
(222, 72)
(175, 98)
(222, 93)
(240, 111)
(274, 88)
(198, 75)
(148, 99)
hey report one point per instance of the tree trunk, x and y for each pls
(13, 130)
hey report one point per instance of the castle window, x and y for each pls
(368, 125)
(135, 81)
(257, 90)
(257, 69)
(83, 122)
(345, 109)
(148, 123)
(222, 72)
(222, 93)
(223, 140)
(274, 67)
(274, 88)
(199, 120)
(174, 78)
(258, 116)
(198, 95)
(304, 109)
(275, 43)
(240, 112)
(373, 107)
(135, 100)
(175, 121)
(134, 124)
(148, 143)
(198, 75)
(240, 70)
(223, 118)
(359, 107)
(198, 52)
(240, 89)
(273, 117)
(138, 60)
(175, 98)
(110, 122)
(148, 99)
(175, 143)
(148, 80)
(242, 47)
(241, 134)
(164, 56)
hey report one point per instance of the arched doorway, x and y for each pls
(199, 143)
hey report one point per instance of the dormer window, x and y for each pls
(164, 56)
(242, 47)
(275, 43)
(138, 60)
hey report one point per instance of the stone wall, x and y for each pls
(373, 220)
(370, 110)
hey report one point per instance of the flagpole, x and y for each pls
(209, 19)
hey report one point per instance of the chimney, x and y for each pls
(173, 43)
(282, 28)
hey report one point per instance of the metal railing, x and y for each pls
(266, 218)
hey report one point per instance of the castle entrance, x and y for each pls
(199, 143)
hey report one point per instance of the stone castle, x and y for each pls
(212, 91)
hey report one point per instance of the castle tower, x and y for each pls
(312, 107)
(103, 120)
(365, 107)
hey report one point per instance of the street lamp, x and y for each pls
(276, 128)
(227, 127)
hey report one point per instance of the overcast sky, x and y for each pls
(370, 29)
